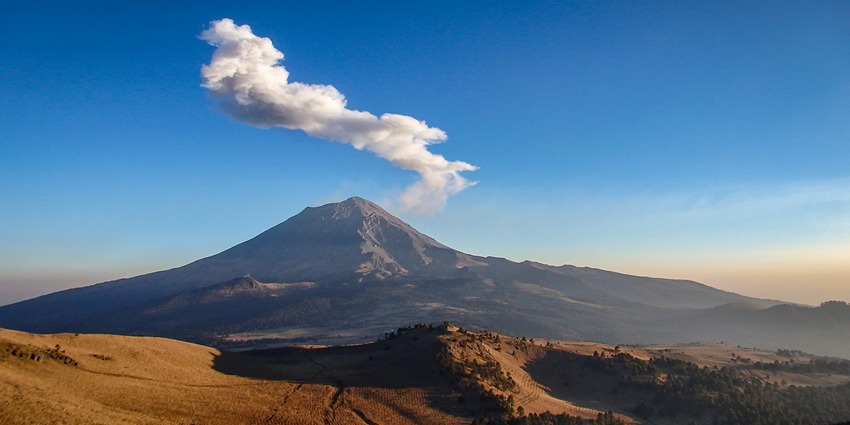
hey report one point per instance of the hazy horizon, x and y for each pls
(754, 277)
(696, 141)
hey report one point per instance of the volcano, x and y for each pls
(347, 271)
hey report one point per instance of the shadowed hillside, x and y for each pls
(104, 379)
(419, 374)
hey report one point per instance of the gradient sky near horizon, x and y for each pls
(685, 139)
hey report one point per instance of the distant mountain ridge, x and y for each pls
(355, 267)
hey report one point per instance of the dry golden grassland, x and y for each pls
(520, 359)
(107, 379)
(710, 354)
(549, 376)
(136, 380)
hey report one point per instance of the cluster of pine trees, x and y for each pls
(727, 396)
(816, 365)
(607, 418)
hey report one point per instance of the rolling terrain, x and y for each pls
(343, 272)
(421, 375)
(141, 380)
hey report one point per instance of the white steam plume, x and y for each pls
(254, 89)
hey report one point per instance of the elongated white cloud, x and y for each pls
(253, 88)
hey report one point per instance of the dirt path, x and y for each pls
(330, 411)
(363, 417)
(310, 359)
(329, 416)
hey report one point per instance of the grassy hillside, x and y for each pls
(118, 379)
(416, 375)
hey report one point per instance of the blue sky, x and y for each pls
(698, 140)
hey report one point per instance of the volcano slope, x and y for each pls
(418, 375)
(343, 272)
